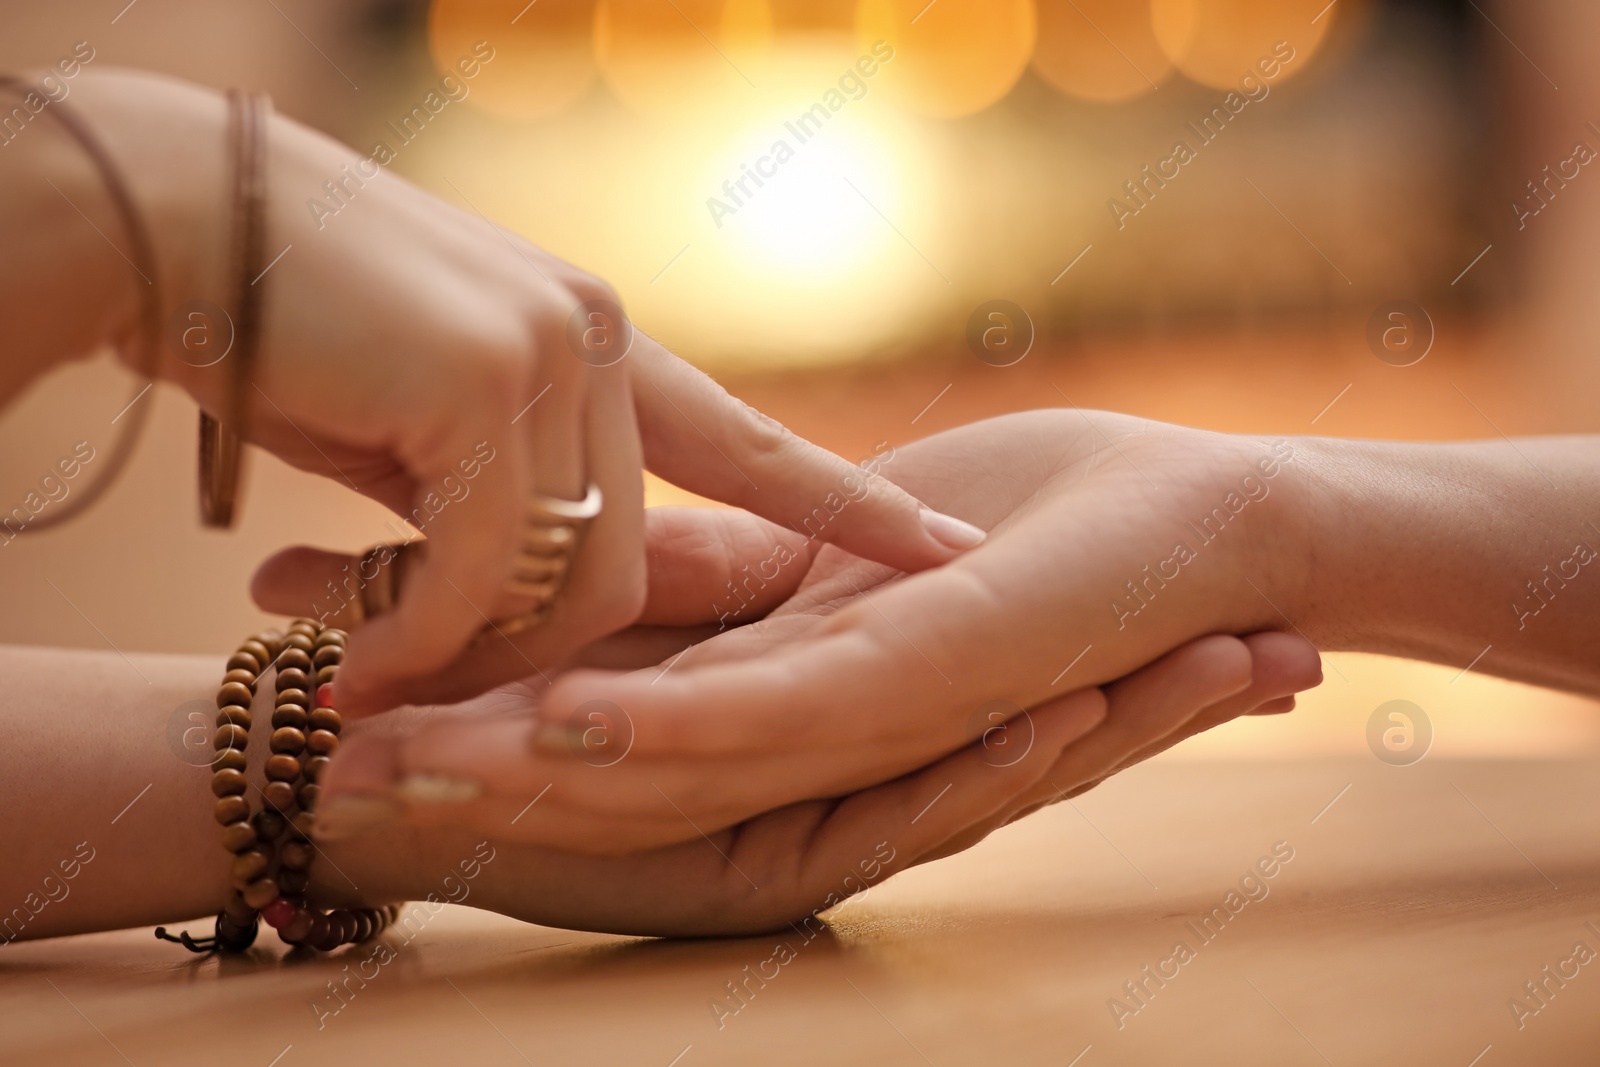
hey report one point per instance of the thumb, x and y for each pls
(700, 438)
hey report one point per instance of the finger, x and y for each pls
(704, 440)
(703, 565)
(311, 582)
(479, 773)
(602, 592)
(862, 662)
(605, 589)
(1281, 664)
(897, 824)
(718, 565)
(1152, 703)
(552, 440)
(470, 546)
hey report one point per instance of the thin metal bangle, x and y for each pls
(144, 263)
(221, 442)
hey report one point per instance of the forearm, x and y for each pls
(71, 281)
(1449, 552)
(109, 806)
(64, 288)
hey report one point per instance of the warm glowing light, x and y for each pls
(1102, 50)
(675, 60)
(821, 256)
(951, 57)
(1218, 42)
(813, 215)
(843, 247)
(543, 54)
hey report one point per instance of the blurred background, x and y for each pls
(1193, 210)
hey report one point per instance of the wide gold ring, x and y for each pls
(552, 533)
(382, 572)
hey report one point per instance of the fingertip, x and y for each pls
(288, 581)
(579, 699)
(266, 581)
(955, 535)
(351, 694)
(1228, 663)
(1275, 707)
(1284, 663)
(1076, 721)
(365, 764)
(382, 654)
(1088, 710)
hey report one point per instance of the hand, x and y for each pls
(852, 678)
(786, 866)
(439, 365)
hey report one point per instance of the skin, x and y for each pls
(402, 338)
(1426, 551)
(471, 324)
(116, 804)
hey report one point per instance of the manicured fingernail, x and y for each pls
(428, 788)
(552, 738)
(325, 695)
(343, 817)
(950, 531)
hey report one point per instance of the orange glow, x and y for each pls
(820, 18)
(674, 60)
(1099, 49)
(951, 57)
(543, 61)
(1217, 42)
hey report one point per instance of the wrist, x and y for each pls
(1278, 558)
(1380, 554)
(169, 139)
(67, 294)
(1465, 554)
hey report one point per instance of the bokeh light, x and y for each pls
(1217, 42)
(812, 217)
(543, 53)
(951, 57)
(681, 59)
(1103, 50)
(820, 262)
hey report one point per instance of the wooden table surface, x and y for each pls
(1417, 903)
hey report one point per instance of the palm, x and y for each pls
(1025, 478)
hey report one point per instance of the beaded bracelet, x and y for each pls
(304, 736)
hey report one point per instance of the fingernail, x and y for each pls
(343, 817)
(950, 531)
(553, 738)
(428, 788)
(325, 695)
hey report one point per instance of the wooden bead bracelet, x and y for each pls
(271, 848)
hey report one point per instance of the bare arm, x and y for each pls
(1100, 558)
(108, 824)
(1449, 552)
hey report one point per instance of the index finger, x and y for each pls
(702, 439)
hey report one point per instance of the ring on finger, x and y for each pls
(552, 533)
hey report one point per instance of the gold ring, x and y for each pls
(552, 531)
(387, 565)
